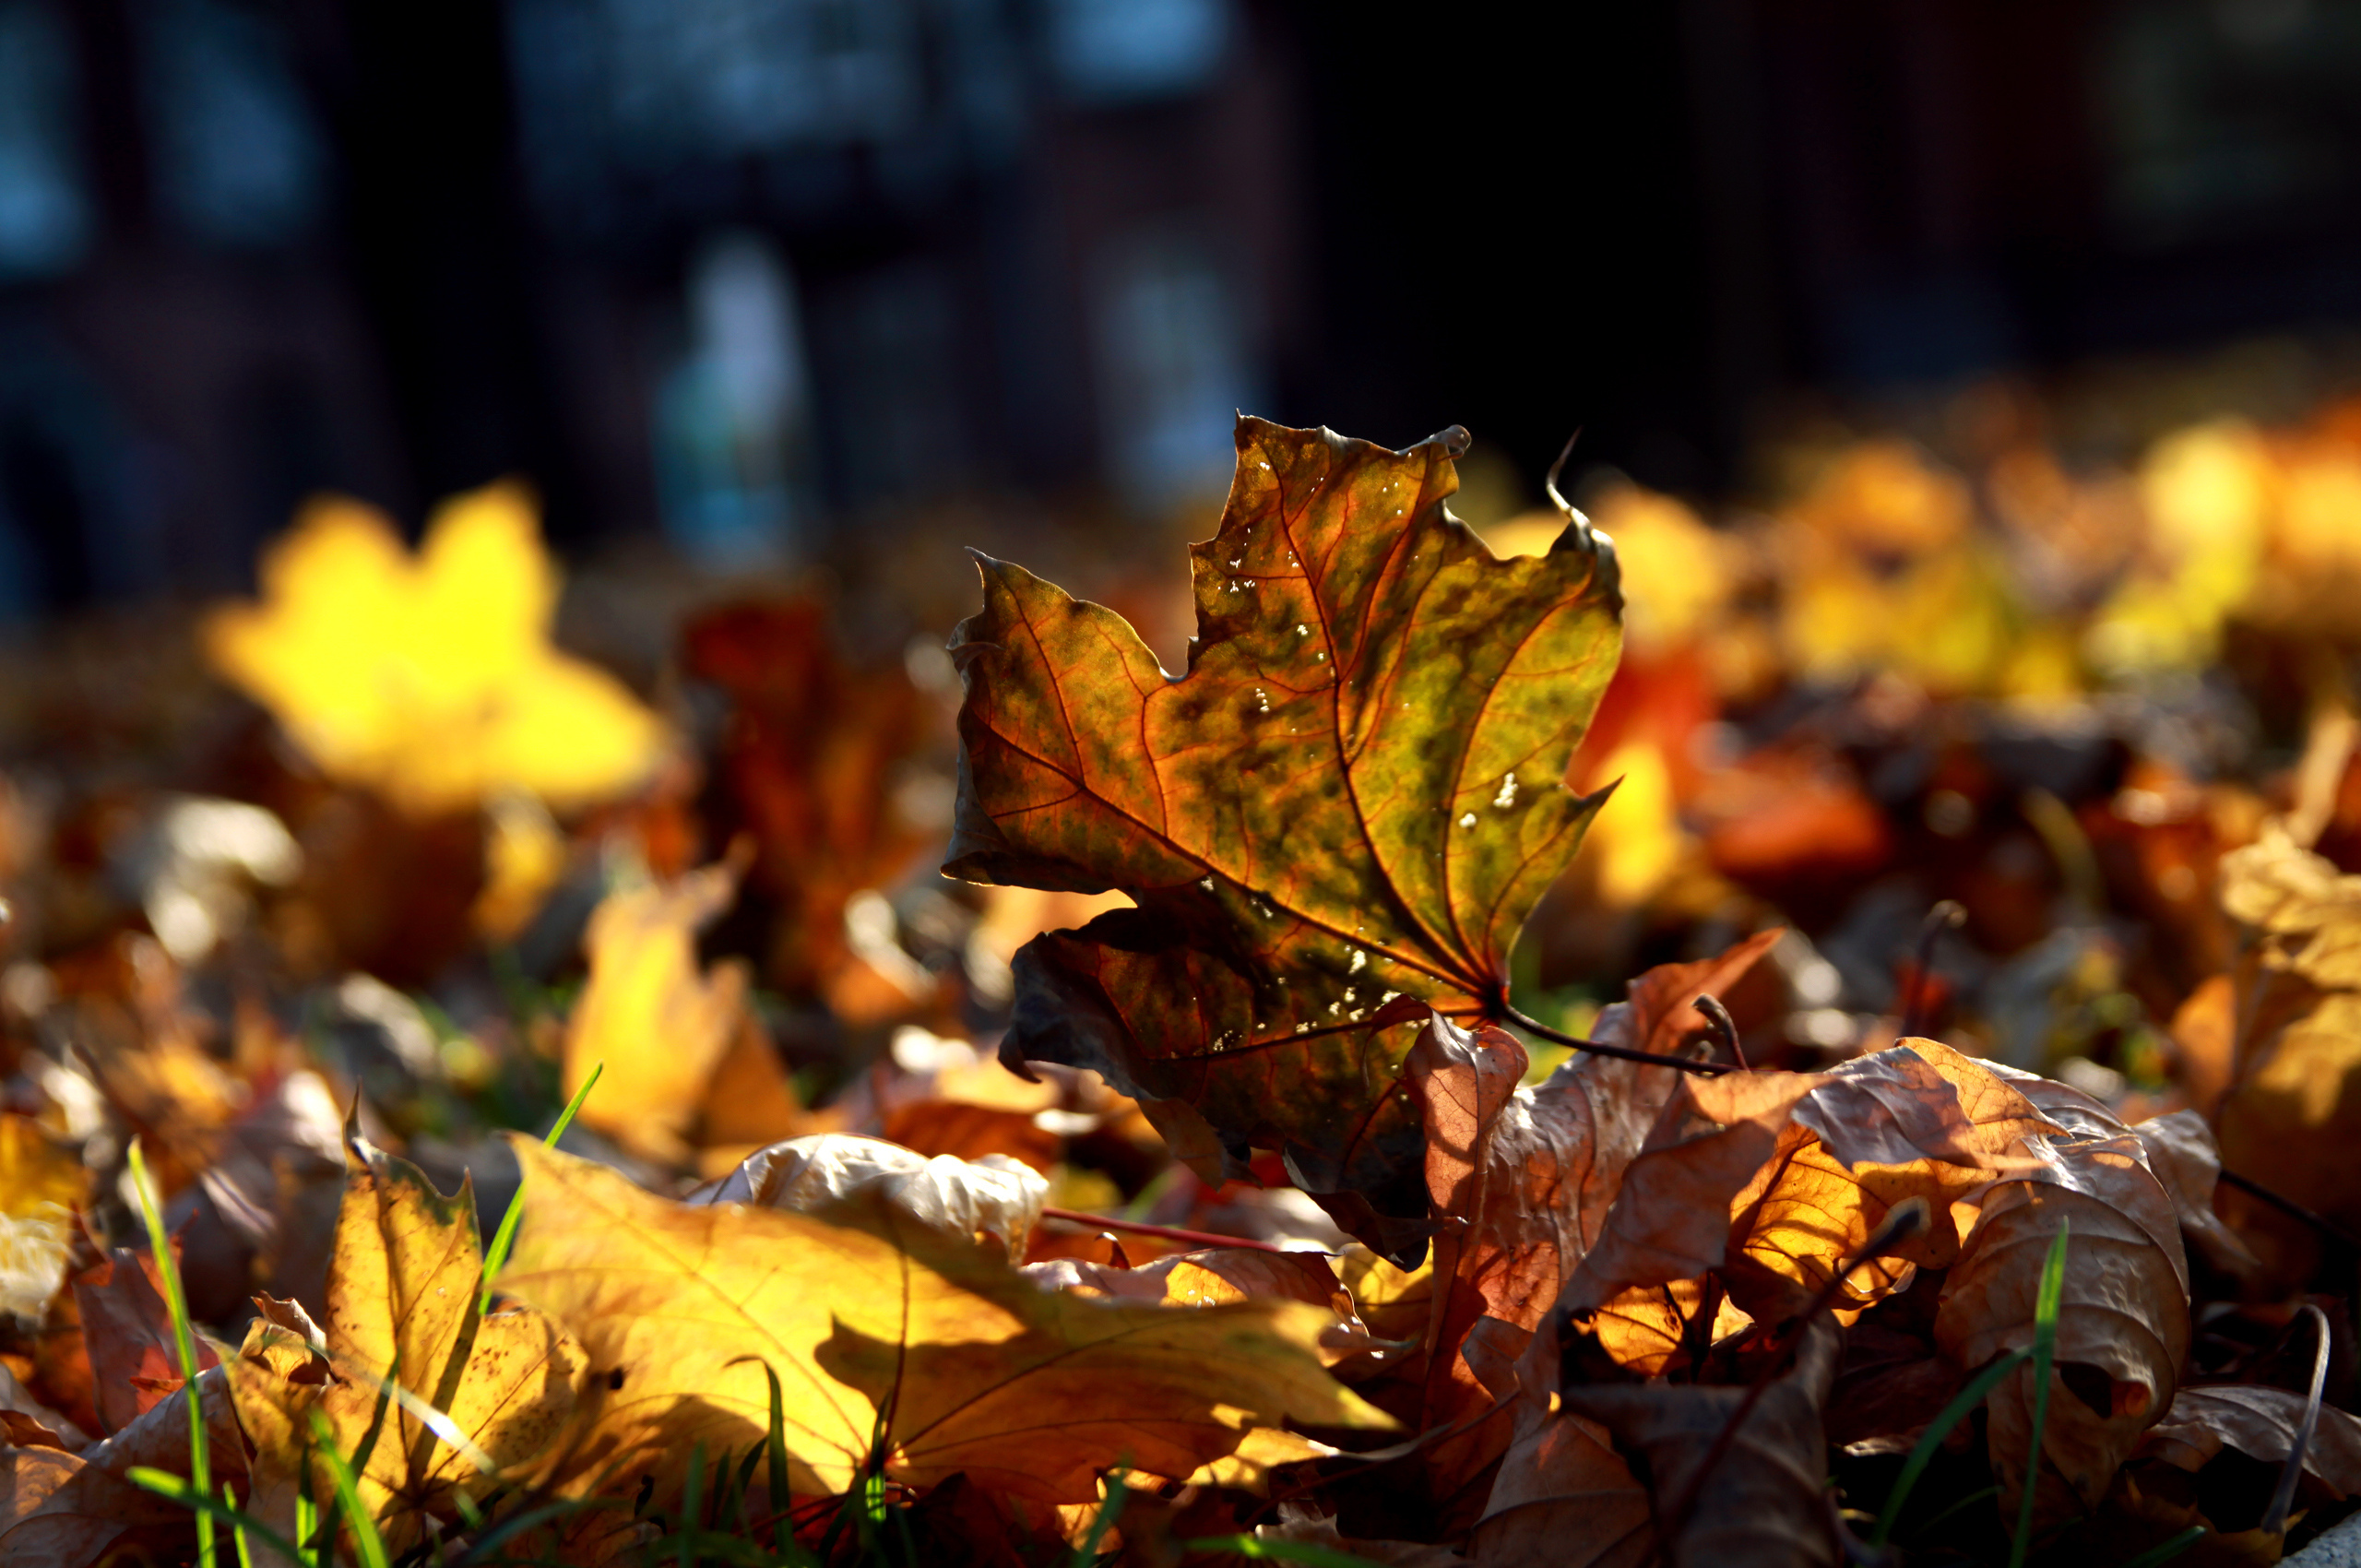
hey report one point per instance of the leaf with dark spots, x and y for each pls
(1354, 797)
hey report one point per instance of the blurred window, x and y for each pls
(1172, 364)
(731, 417)
(891, 352)
(45, 217)
(238, 158)
(1108, 52)
(2221, 113)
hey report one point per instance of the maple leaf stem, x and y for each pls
(1169, 1232)
(1597, 1047)
(1947, 915)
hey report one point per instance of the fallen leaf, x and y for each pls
(1762, 1500)
(2184, 1156)
(843, 1177)
(662, 1025)
(1353, 797)
(678, 1306)
(1564, 1498)
(127, 1328)
(430, 678)
(41, 1187)
(2260, 1422)
(2123, 1327)
(815, 765)
(404, 1291)
(64, 1510)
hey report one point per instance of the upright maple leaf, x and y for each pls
(1345, 809)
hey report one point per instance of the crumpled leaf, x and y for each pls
(678, 1306)
(134, 1355)
(404, 1289)
(2184, 1156)
(1521, 1180)
(1564, 1498)
(2258, 1422)
(65, 1510)
(1793, 1172)
(2123, 1327)
(663, 1027)
(1353, 797)
(842, 1177)
(430, 678)
(1762, 1502)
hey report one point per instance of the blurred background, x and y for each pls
(745, 275)
(1973, 391)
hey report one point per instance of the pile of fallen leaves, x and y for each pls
(1914, 1129)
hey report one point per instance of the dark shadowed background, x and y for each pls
(749, 273)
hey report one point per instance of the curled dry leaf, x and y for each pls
(403, 1298)
(66, 1510)
(2123, 1327)
(843, 1178)
(1522, 1178)
(1564, 1498)
(1763, 1501)
(1351, 800)
(2184, 1156)
(1794, 1172)
(679, 1306)
(2260, 1422)
(432, 678)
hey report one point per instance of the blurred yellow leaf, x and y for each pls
(661, 1025)
(40, 1185)
(973, 1367)
(430, 678)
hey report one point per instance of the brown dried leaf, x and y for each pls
(1564, 1499)
(63, 1510)
(842, 1177)
(2258, 1422)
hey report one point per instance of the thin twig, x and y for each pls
(1904, 1219)
(1653, 1057)
(1947, 915)
(1724, 1026)
(2275, 1519)
(1169, 1233)
(2293, 1209)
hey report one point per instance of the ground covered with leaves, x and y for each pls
(1816, 1036)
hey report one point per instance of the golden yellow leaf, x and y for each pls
(40, 1185)
(430, 678)
(661, 1025)
(946, 1355)
(405, 1278)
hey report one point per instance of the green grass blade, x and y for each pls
(1278, 1551)
(2164, 1551)
(163, 1483)
(2045, 1355)
(495, 1255)
(1922, 1452)
(159, 1242)
(690, 1502)
(347, 1495)
(237, 1528)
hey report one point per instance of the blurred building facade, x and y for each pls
(744, 270)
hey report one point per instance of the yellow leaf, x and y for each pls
(405, 1278)
(430, 678)
(40, 1185)
(661, 1026)
(972, 1367)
